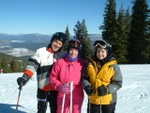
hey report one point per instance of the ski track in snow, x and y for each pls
(133, 97)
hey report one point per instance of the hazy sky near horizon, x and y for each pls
(50, 16)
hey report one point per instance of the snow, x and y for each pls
(133, 97)
(18, 41)
(18, 52)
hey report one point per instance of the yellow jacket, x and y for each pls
(109, 75)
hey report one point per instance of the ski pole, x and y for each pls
(100, 104)
(89, 105)
(20, 88)
(71, 98)
(63, 103)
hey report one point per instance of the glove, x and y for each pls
(89, 90)
(64, 88)
(23, 80)
(102, 90)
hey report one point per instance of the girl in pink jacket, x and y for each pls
(64, 71)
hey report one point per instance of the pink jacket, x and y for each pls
(65, 71)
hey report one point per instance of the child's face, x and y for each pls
(101, 53)
(73, 52)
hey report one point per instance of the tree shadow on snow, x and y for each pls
(9, 108)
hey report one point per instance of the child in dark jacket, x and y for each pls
(102, 79)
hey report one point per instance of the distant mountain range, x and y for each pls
(22, 45)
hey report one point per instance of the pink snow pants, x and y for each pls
(77, 101)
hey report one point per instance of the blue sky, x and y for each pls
(50, 16)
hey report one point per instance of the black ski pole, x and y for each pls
(20, 88)
(100, 104)
(89, 105)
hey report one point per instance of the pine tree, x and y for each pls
(109, 20)
(14, 65)
(146, 52)
(86, 44)
(23, 64)
(109, 27)
(123, 28)
(67, 38)
(77, 30)
(81, 33)
(138, 37)
(4, 63)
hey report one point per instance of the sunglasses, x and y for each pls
(75, 44)
(100, 43)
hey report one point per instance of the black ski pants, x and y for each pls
(104, 108)
(44, 98)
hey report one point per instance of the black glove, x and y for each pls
(102, 90)
(23, 80)
(89, 90)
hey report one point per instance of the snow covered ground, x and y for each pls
(134, 97)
